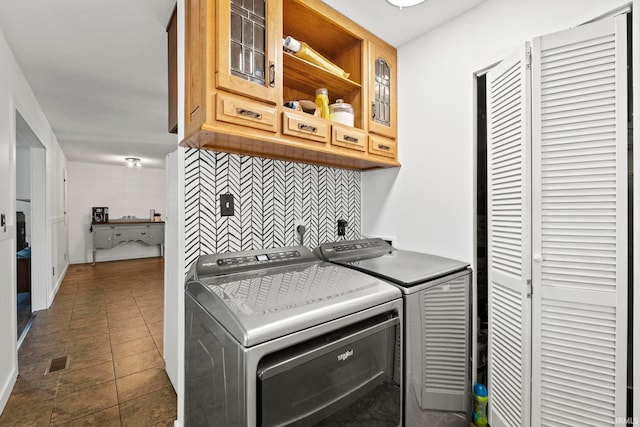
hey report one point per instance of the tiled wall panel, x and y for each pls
(269, 196)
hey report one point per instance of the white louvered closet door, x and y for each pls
(509, 236)
(579, 225)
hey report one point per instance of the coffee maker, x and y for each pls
(100, 214)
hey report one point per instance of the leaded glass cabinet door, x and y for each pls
(247, 51)
(382, 91)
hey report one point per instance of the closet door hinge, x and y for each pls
(528, 59)
(529, 288)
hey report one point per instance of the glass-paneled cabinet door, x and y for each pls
(248, 47)
(382, 90)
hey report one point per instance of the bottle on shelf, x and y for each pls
(322, 101)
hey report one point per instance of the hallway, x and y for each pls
(108, 321)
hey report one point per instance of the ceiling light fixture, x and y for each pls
(401, 4)
(133, 162)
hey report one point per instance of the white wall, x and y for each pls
(174, 267)
(126, 192)
(15, 94)
(428, 203)
(23, 174)
(23, 187)
(58, 227)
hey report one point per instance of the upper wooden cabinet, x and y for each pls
(238, 78)
(248, 47)
(382, 90)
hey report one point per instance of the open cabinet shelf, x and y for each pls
(302, 75)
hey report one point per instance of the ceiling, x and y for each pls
(99, 68)
(398, 26)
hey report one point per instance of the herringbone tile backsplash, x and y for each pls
(269, 196)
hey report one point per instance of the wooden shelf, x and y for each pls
(302, 75)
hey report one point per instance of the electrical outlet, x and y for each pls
(226, 205)
(296, 236)
(342, 227)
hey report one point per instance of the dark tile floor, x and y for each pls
(108, 320)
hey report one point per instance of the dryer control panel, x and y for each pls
(229, 263)
(352, 250)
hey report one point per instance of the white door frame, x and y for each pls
(635, 35)
(40, 253)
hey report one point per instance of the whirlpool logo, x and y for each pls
(344, 356)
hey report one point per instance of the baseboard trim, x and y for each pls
(58, 284)
(105, 255)
(7, 388)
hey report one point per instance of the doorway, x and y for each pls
(30, 224)
(548, 197)
(481, 229)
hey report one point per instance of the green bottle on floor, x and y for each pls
(480, 411)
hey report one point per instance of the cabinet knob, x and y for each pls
(538, 257)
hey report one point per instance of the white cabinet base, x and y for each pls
(110, 234)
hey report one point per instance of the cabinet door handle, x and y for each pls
(351, 139)
(373, 110)
(249, 113)
(307, 128)
(384, 147)
(272, 74)
(143, 233)
(118, 234)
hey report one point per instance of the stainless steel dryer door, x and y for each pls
(343, 378)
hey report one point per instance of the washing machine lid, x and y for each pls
(376, 257)
(407, 268)
(266, 302)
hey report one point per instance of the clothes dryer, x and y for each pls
(278, 337)
(437, 323)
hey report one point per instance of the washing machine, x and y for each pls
(437, 324)
(277, 337)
